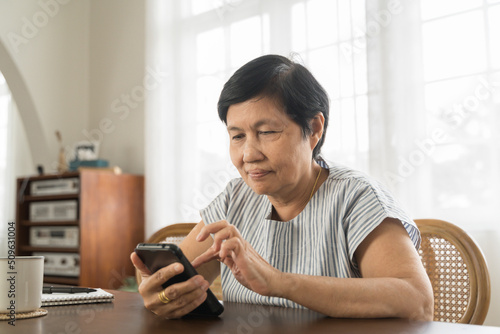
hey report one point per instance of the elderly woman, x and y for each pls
(294, 231)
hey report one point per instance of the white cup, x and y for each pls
(21, 281)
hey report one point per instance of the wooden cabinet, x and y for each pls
(109, 218)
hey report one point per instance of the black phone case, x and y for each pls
(157, 256)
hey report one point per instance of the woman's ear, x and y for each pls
(317, 126)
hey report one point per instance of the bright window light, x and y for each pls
(494, 31)
(436, 8)
(246, 40)
(460, 55)
(349, 128)
(299, 27)
(362, 123)
(330, 38)
(360, 73)
(344, 22)
(202, 6)
(454, 46)
(358, 14)
(324, 63)
(210, 50)
(208, 89)
(322, 27)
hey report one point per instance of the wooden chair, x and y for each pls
(457, 270)
(174, 234)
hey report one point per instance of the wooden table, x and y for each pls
(128, 315)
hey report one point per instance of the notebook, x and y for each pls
(54, 299)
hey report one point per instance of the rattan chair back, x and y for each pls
(457, 270)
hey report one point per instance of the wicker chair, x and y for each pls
(457, 270)
(174, 234)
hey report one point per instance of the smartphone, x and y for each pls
(157, 256)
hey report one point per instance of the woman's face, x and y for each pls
(268, 148)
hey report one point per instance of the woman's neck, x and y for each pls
(285, 210)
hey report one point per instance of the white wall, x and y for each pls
(62, 82)
(117, 70)
(73, 83)
(47, 42)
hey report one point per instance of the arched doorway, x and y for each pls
(28, 114)
(22, 142)
(6, 184)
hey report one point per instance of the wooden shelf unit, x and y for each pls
(110, 220)
(51, 223)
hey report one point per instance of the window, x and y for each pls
(216, 38)
(325, 33)
(431, 65)
(461, 87)
(445, 76)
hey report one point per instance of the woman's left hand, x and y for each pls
(247, 266)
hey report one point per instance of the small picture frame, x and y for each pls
(86, 150)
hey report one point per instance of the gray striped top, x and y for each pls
(320, 241)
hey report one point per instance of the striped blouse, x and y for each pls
(320, 241)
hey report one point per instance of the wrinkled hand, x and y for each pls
(184, 297)
(247, 266)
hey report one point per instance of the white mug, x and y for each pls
(21, 282)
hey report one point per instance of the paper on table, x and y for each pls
(54, 299)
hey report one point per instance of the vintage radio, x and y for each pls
(54, 236)
(61, 264)
(53, 211)
(55, 187)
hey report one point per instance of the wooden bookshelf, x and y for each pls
(110, 209)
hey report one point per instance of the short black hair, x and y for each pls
(279, 78)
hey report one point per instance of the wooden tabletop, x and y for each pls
(128, 315)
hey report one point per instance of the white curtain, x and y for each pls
(434, 101)
(198, 44)
(413, 86)
(414, 89)
(434, 107)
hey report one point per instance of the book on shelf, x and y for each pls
(55, 299)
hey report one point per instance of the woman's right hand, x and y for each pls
(183, 297)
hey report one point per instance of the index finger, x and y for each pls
(211, 228)
(207, 256)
